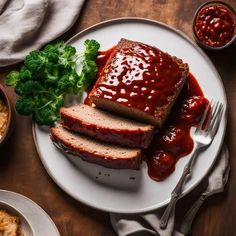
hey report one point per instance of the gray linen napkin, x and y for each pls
(148, 224)
(26, 25)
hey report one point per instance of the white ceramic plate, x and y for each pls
(117, 190)
(34, 220)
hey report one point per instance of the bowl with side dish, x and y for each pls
(7, 116)
(214, 25)
(13, 222)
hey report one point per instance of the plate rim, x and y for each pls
(218, 77)
(33, 203)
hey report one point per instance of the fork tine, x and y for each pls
(216, 121)
(211, 115)
(199, 127)
(214, 112)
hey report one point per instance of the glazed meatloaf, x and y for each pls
(106, 127)
(108, 155)
(139, 81)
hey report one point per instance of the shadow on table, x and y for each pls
(224, 61)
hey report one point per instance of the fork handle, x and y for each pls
(190, 215)
(176, 193)
(168, 211)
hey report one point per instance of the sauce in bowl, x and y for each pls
(215, 24)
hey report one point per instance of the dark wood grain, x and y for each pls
(20, 167)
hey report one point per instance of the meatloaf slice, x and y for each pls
(139, 81)
(106, 127)
(108, 155)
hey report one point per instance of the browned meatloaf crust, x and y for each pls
(140, 81)
(106, 127)
(108, 155)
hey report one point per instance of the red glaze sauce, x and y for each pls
(215, 25)
(142, 77)
(102, 59)
(173, 141)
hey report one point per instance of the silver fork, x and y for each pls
(203, 137)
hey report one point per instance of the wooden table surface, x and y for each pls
(22, 171)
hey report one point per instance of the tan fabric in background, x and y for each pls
(26, 25)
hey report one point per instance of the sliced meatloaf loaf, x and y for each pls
(108, 155)
(139, 81)
(106, 127)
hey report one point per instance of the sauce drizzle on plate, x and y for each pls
(173, 141)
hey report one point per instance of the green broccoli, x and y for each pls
(25, 74)
(91, 49)
(12, 78)
(67, 82)
(48, 75)
(25, 106)
(45, 116)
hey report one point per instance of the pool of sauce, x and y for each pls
(173, 141)
(215, 25)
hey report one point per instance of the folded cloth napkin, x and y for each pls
(148, 224)
(26, 25)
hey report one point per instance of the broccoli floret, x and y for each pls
(65, 84)
(57, 103)
(19, 88)
(25, 74)
(31, 87)
(53, 57)
(89, 69)
(28, 88)
(51, 81)
(25, 106)
(35, 62)
(68, 52)
(68, 81)
(91, 49)
(45, 116)
(59, 45)
(87, 75)
(12, 78)
(48, 75)
(51, 48)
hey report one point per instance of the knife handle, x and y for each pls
(190, 215)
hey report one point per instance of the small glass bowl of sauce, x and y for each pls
(214, 25)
